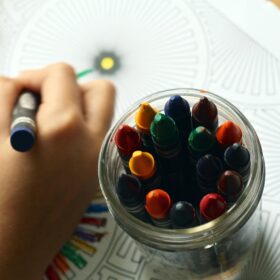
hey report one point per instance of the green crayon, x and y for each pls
(171, 155)
(70, 253)
(201, 142)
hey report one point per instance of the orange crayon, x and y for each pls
(62, 265)
(143, 166)
(158, 204)
(227, 134)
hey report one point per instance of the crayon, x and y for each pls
(230, 186)
(205, 113)
(171, 156)
(227, 134)
(51, 273)
(211, 206)
(82, 245)
(178, 109)
(201, 142)
(237, 158)
(89, 235)
(158, 204)
(131, 195)
(97, 208)
(143, 119)
(62, 265)
(182, 215)
(70, 253)
(127, 141)
(23, 127)
(143, 166)
(98, 222)
(208, 170)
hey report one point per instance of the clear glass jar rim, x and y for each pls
(223, 226)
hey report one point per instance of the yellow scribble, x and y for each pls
(107, 63)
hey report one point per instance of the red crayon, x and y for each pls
(127, 141)
(158, 204)
(51, 273)
(212, 206)
(62, 265)
(99, 222)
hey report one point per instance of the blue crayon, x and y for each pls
(178, 109)
(183, 215)
(237, 158)
(23, 127)
(208, 170)
(131, 195)
(97, 208)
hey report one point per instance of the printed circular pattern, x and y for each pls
(160, 43)
(241, 69)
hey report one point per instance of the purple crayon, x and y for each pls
(89, 235)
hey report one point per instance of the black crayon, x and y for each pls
(131, 195)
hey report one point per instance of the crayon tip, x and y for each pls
(142, 165)
(212, 206)
(163, 130)
(209, 167)
(177, 108)
(201, 139)
(182, 215)
(158, 203)
(228, 133)
(22, 138)
(144, 117)
(236, 155)
(127, 140)
(129, 189)
(230, 184)
(205, 113)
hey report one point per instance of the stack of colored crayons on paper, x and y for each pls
(72, 254)
(182, 167)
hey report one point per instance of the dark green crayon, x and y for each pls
(201, 142)
(172, 158)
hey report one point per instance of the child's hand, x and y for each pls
(44, 192)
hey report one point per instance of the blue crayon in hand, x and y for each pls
(23, 127)
(178, 109)
(237, 158)
(182, 215)
(131, 195)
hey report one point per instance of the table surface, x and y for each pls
(160, 44)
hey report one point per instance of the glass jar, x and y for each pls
(214, 250)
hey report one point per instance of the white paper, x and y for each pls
(162, 44)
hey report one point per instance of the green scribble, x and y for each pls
(84, 73)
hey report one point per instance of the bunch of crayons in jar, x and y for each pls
(182, 167)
